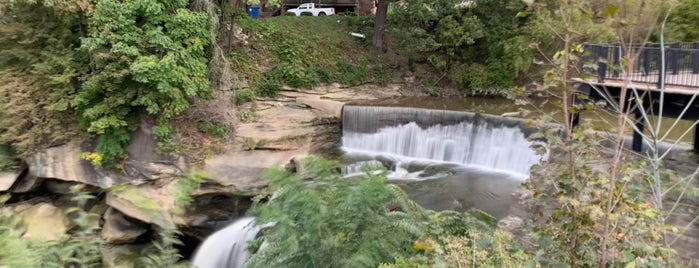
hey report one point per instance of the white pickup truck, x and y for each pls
(311, 8)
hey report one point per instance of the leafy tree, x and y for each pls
(145, 56)
(41, 70)
(332, 221)
(682, 25)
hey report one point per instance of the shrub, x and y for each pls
(243, 96)
(212, 129)
(269, 88)
(472, 77)
(334, 221)
(348, 74)
(306, 13)
(289, 14)
(319, 75)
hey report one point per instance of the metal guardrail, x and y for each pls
(607, 61)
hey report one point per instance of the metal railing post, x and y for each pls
(674, 58)
(616, 60)
(646, 58)
(602, 57)
(695, 59)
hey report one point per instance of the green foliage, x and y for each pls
(304, 52)
(14, 251)
(40, 70)
(7, 158)
(212, 129)
(682, 24)
(476, 250)
(351, 75)
(573, 208)
(146, 55)
(80, 249)
(305, 13)
(452, 36)
(468, 239)
(333, 221)
(269, 89)
(243, 96)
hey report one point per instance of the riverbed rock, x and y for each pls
(119, 229)
(44, 222)
(241, 172)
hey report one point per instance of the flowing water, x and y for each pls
(535, 107)
(442, 159)
(227, 247)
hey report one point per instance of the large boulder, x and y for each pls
(241, 172)
(145, 162)
(64, 163)
(150, 203)
(43, 222)
(119, 229)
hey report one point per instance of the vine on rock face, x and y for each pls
(147, 55)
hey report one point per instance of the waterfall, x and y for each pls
(228, 246)
(435, 135)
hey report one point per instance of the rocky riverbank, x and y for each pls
(141, 191)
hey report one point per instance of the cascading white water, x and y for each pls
(443, 136)
(357, 167)
(227, 248)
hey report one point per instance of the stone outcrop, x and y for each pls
(150, 203)
(119, 229)
(64, 163)
(43, 222)
(241, 171)
(7, 179)
(324, 107)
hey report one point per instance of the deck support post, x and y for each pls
(696, 139)
(637, 142)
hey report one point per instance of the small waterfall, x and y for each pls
(437, 135)
(228, 246)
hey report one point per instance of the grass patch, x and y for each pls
(304, 51)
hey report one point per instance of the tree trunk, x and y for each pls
(379, 25)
